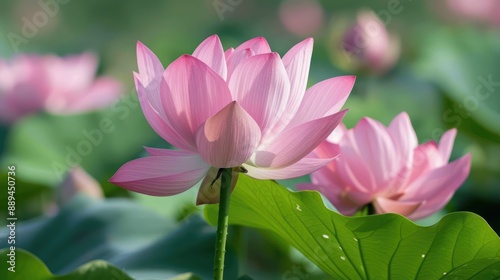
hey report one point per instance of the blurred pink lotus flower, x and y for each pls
(387, 168)
(245, 107)
(369, 45)
(31, 83)
(78, 181)
(302, 17)
(480, 11)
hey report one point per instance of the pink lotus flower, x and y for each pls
(386, 167)
(245, 107)
(30, 83)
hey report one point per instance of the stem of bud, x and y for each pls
(222, 224)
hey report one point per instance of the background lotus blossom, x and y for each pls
(240, 107)
(385, 166)
(481, 11)
(302, 17)
(369, 44)
(60, 85)
(78, 181)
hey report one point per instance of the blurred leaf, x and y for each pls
(464, 64)
(4, 131)
(28, 266)
(31, 198)
(187, 276)
(382, 99)
(175, 207)
(31, 265)
(371, 247)
(245, 277)
(44, 147)
(142, 243)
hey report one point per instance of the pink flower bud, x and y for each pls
(368, 45)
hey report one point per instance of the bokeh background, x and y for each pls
(445, 73)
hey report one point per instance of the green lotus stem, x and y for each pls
(222, 224)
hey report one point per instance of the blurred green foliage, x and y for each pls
(139, 241)
(33, 268)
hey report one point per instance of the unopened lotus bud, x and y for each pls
(77, 181)
(367, 45)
